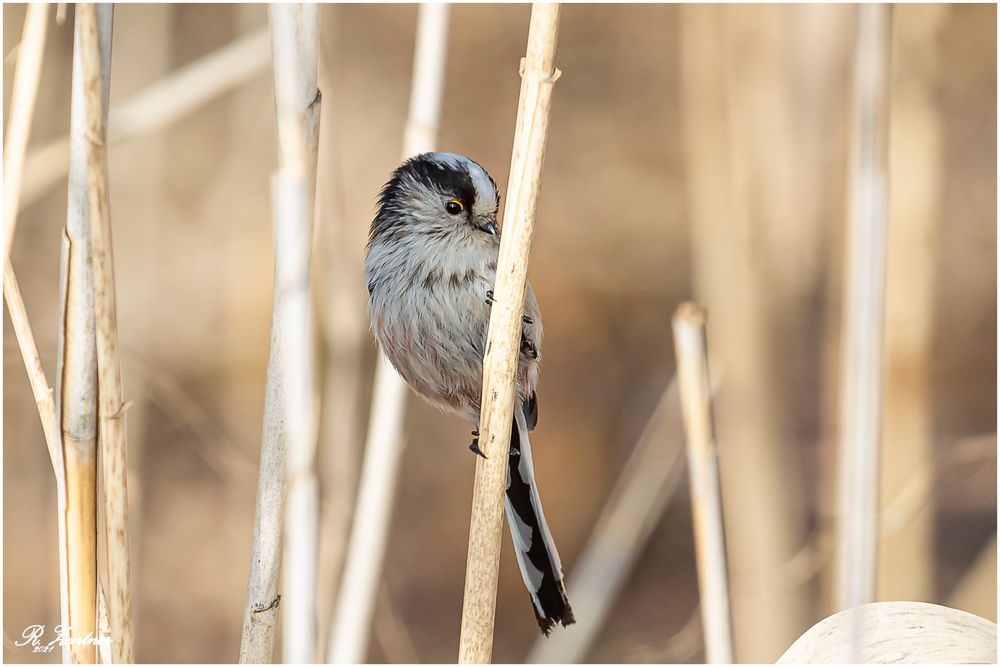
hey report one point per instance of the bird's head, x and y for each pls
(437, 193)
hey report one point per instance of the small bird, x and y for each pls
(430, 267)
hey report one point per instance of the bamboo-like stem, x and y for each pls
(288, 442)
(703, 469)
(295, 46)
(861, 369)
(861, 376)
(538, 74)
(111, 404)
(157, 106)
(640, 496)
(22, 108)
(76, 366)
(350, 631)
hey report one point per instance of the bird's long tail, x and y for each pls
(536, 551)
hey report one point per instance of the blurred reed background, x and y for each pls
(692, 151)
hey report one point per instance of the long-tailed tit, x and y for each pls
(430, 268)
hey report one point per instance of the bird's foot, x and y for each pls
(474, 447)
(489, 297)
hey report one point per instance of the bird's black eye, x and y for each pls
(454, 207)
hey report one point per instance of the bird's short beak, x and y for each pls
(486, 223)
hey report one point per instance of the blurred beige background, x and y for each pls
(620, 240)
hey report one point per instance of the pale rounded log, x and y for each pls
(899, 633)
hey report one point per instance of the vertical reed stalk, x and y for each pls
(22, 107)
(295, 45)
(861, 366)
(634, 507)
(351, 628)
(861, 380)
(288, 445)
(538, 74)
(111, 405)
(76, 368)
(703, 469)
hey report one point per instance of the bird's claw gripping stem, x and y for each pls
(489, 297)
(474, 447)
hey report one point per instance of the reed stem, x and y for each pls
(703, 470)
(111, 404)
(538, 74)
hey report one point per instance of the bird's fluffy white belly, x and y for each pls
(433, 324)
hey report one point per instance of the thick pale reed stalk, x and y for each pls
(864, 300)
(861, 374)
(157, 106)
(640, 496)
(352, 620)
(295, 46)
(703, 470)
(111, 404)
(538, 74)
(288, 443)
(22, 108)
(76, 369)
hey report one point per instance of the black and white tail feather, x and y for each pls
(536, 551)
